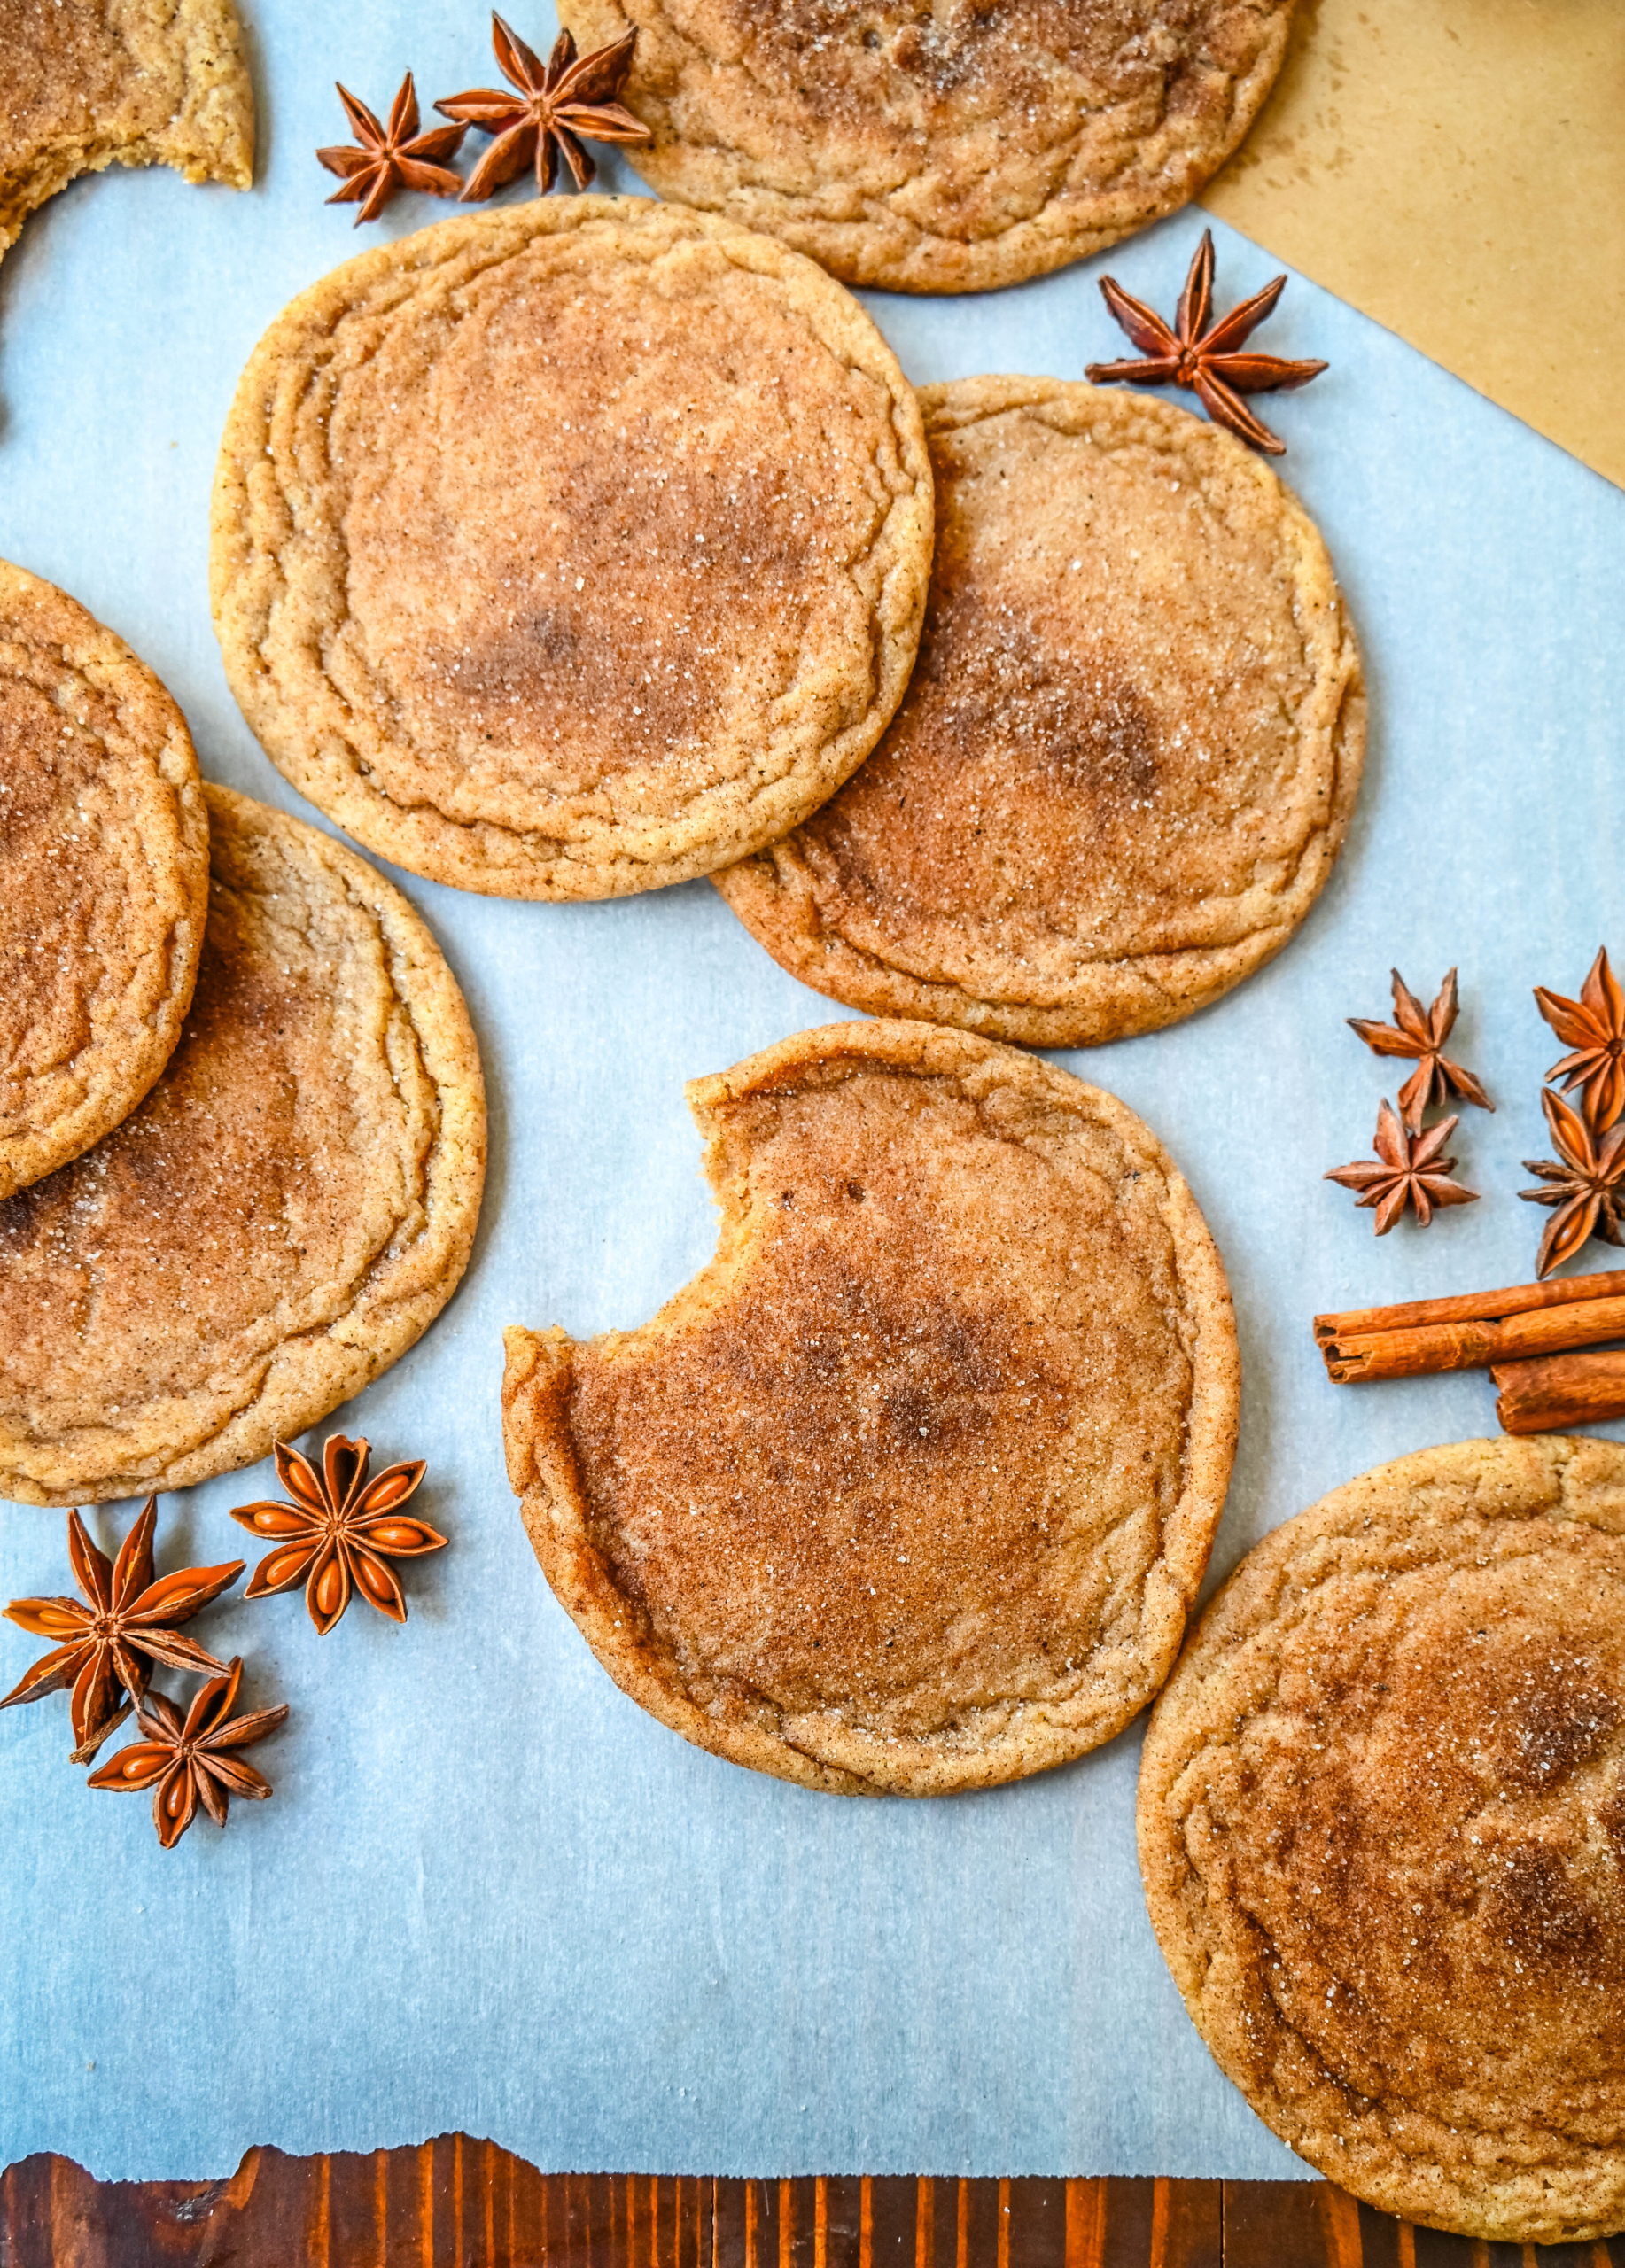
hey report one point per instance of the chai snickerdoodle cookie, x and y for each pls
(90, 84)
(1382, 1830)
(572, 549)
(284, 1215)
(1130, 751)
(909, 1490)
(940, 145)
(104, 878)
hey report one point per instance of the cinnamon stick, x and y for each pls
(1556, 1392)
(1357, 1357)
(1470, 1307)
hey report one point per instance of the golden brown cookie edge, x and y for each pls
(244, 579)
(542, 1468)
(304, 1382)
(1534, 1469)
(91, 649)
(209, 137)
(938, 265)
(772, 891)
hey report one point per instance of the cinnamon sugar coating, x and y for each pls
(1382, 1831)
(1130, 751)
(283, 1216)
(944, 147)
(90, 84)
(572, 549)
(909, 1490)
(104, 878)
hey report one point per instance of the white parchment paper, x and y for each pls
(489, 1893)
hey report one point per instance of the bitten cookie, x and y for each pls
(284, 1215)
(104, 878)
(1129, 752)
(90, 84)
(948, 147)
(572, 549)
(910, 1490)
(1382, 1830)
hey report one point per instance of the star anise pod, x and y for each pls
(341, 1528)
(1594, 1026)
(127, 1615)
(188, 1758)
(564, 101)
(1202, 356)
(1407, 1170)
(392, 157)
(1587, 1188)
(1422, 1033)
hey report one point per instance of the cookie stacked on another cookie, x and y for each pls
(940, 145)
(104, 878)
(573, 549)
(911, 1489)
(281, 1218)
(1130, 751)
(1382, 1830)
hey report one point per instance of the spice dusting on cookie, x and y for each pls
(911, 1488)
(618, 520)
(1381, 1825)
(85, 84)
(1128, 755)
(947, 147)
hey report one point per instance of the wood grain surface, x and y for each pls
(458, 2203)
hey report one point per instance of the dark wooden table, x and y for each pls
(458, 2203)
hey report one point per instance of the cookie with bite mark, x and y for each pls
(911, 1489)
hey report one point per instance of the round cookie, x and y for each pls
(1382, 1830)
(104, 878)
(284, 1215)
(927, 146)
(1128, 757)
(912, 1488)
(572, 549)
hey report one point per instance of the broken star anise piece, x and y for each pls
(392, 157)
(100, 1645)
(1594, 1026)
(339, 1531)
(1588, 1188)
(1203, 356)
(564, 101)
(188, 1758)
(1422, 1033)
(1407, 1169)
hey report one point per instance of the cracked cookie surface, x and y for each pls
(90, 84)
(1382, 1831)
(104, 878)
(281, 1218)
(572, 549)
(911, 1488)
(940, 145)
(1129, 754)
